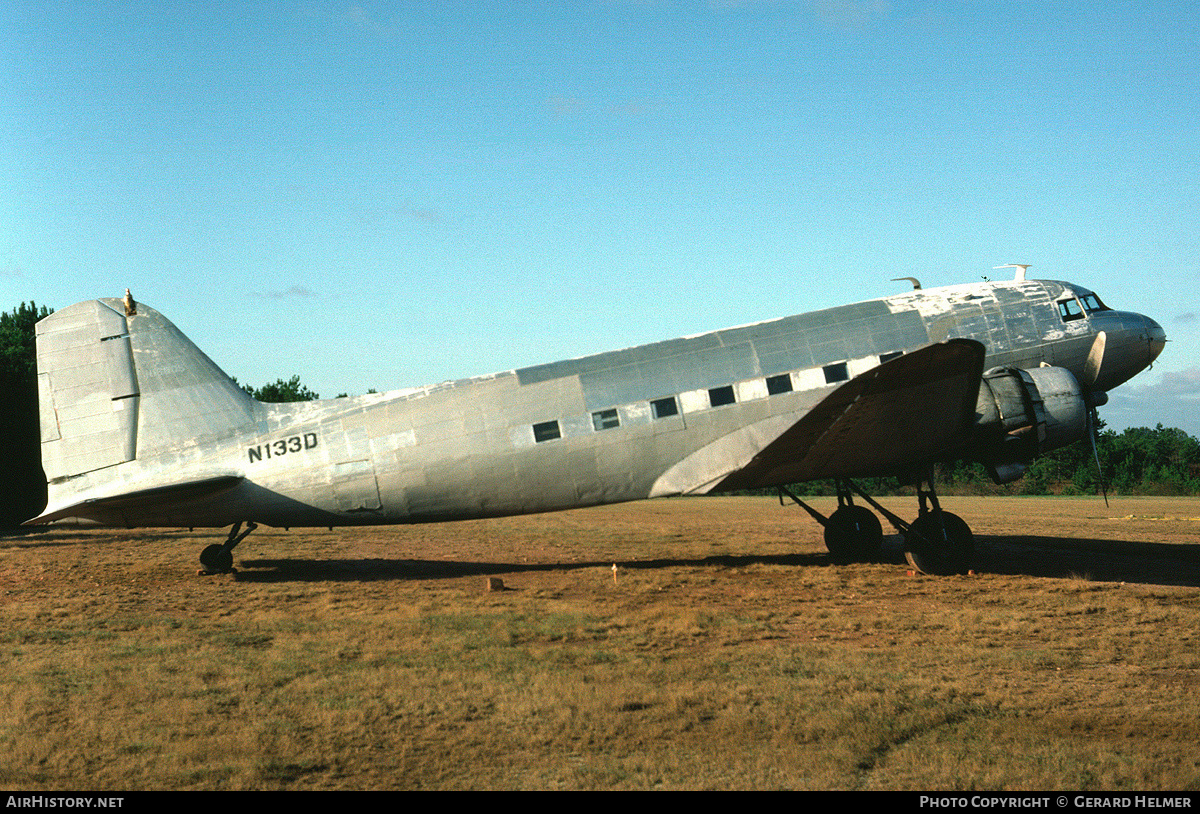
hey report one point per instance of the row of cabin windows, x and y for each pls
(717, 397)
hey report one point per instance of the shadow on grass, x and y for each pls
(1091, 559)
(300, 570)
(48, 537)
(1027, 555)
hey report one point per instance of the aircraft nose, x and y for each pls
(1127, 343)
(1156, 338)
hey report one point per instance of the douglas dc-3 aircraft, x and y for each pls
(140, 428)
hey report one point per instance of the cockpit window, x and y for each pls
(1070, 309)
(1092, 304)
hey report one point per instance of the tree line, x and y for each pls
(1136, 461)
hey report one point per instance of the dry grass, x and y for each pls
(728, 653)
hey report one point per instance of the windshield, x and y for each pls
(1092, 304)
(1077, 307)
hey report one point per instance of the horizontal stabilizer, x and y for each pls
(112, 509)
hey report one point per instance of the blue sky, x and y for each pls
(388, 194)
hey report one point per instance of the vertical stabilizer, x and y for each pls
(114, 388)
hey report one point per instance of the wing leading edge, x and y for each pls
(903, 413)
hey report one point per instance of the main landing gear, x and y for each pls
(937, 542)
(218, 559)
(852, 533)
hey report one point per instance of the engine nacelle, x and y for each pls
(1021, 414)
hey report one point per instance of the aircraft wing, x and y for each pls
(112, 508)
(903, 413)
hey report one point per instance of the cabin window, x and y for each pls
(662, 408)
(720, 396)
(779, 384)
(1070, 310)
(605, 419)
(887, 357)
(836, 373)
(546, 431)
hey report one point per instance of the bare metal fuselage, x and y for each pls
(598, 429)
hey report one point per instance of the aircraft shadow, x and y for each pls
(1025, 555)
(49, 537)
(1092, 559)
(301, 570)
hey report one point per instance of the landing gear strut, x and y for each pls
(218, 559)
(852, 533)
(937, 542)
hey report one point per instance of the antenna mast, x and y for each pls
(1020, 267)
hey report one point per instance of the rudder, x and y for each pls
(87, 390)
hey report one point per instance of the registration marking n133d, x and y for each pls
(284, 446)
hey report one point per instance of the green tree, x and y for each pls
(280, 391)
(1160, 460)
(24, 494)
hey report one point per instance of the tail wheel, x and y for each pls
(939, 543)
(853, 534)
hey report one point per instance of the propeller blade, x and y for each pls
(1095, 360)
(1093, 431)
(1091, 375)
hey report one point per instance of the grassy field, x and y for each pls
(725, 653)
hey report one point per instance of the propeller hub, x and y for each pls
(1156, 338)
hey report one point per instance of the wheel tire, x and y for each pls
(216, 558)
(940, 548)
(853, 534)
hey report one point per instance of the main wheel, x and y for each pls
(853, 534)
(216, 558)
(939, 543)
